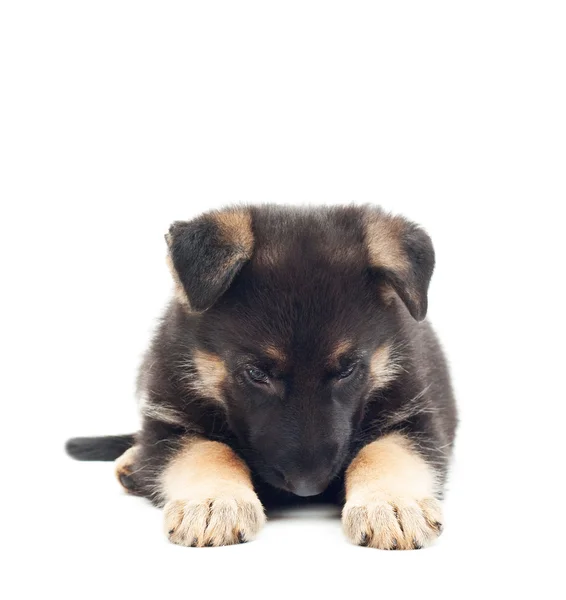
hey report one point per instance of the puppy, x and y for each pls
(293, 361)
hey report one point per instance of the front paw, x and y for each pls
(214, 521)
(382, 521)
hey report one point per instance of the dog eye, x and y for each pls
(347, 372)
(257, 375)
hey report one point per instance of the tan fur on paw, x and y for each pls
(392, 523)
(214, 521)
(123, 468)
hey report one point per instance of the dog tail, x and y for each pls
(108, 447)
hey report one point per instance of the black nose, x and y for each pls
(306, 487)
(305, 472)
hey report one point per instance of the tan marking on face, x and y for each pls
(339, 350)
(384, 242)
(125, 465)
(236, 229)
(391, 496)
(209, 496)
(274, 353)
(210, 375)
(383, 367)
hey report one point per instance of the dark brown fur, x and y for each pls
(299, 296)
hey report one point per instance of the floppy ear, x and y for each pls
(403, 254)
(205, 255)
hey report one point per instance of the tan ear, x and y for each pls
(403, 254)
(205, 254)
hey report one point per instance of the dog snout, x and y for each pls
(309, 473)
(306, 486)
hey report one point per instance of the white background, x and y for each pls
(119, 117)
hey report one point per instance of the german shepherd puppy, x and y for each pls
(293, 360)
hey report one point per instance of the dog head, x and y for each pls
(297, 314)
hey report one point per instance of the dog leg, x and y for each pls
(210, 500)
(391, 497)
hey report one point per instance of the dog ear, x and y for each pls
(402, 253)
(205, 255)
